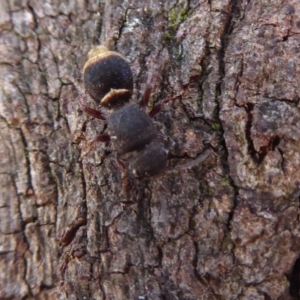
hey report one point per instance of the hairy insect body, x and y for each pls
(107, 77)
(130, 128)
(151, 161)
(108, 80)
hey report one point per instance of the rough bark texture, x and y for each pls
(225, 228)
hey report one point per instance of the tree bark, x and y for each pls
(222, 222)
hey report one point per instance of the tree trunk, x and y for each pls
(222, 221)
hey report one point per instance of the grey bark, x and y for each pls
(223, 228)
